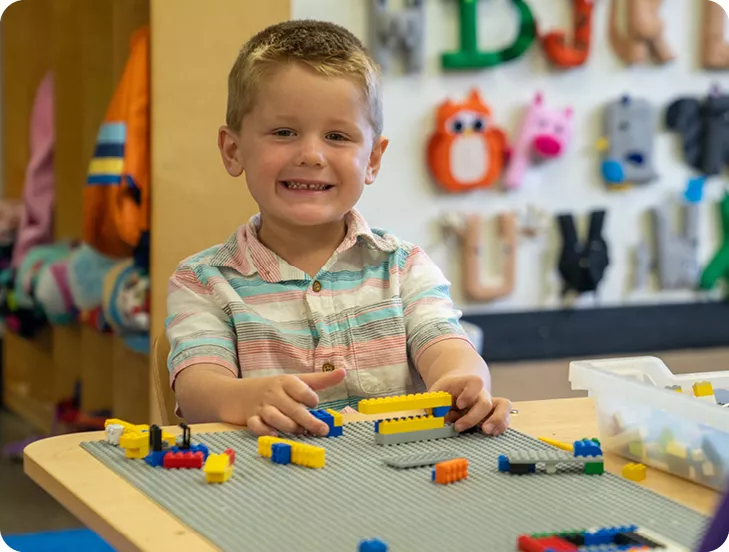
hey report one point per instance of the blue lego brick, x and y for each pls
(587, 447)
(441, 411)
(373, 545)
(335, 431)
(156, 458)
(503, 463)
(377, 426)
(193, 448)
(324, 416)
(281, 453)
(607, 535)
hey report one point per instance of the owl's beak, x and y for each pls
(468, 132)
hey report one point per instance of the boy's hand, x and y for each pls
(473, 405)
(280, 402)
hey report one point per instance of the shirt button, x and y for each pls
(328, 367)
(316, 286)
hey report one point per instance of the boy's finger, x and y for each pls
(300, 392)
(303, 418)
(474, 416)
(257, 426)
(273, 417)
(470, 392)
(322, 380)
(499, 419)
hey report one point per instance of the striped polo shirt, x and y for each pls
(372, 309)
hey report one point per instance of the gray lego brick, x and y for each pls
(419, 460)
(356, 496)
(722, 396)
(549, 457)
(413, 436)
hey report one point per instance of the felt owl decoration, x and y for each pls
(466, 151)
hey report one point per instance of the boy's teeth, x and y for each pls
(301, 186)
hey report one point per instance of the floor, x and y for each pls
(24, 506)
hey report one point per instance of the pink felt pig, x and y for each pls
(545, 134)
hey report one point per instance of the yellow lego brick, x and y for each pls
(634, 472)
(415, 423)
(138, 428)
(337, 417)
(218, 468)
(675, 448)
(382, 405)
(135, 445)
(558, 444)
(703, 389)
(302, 454)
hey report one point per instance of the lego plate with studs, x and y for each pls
(454, 497)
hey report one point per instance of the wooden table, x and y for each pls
(128, 520)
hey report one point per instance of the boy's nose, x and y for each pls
(311, 155)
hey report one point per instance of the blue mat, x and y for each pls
(71, 540)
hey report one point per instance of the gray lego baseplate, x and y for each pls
(356, 496)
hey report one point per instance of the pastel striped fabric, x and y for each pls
(373, 309)
(108, 163)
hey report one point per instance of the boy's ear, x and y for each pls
(229, 151)
(373, 167)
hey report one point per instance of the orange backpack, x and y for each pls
(116, 195)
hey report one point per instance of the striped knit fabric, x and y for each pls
(373, 309)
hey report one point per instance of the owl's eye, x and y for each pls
(478, 125)
(457, 126)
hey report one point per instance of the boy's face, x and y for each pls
(307, 147)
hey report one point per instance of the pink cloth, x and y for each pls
(36, 225)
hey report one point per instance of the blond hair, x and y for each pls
(328, 49)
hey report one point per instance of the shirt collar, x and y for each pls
(247, 255)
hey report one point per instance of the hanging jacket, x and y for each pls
(36, 223)
(116, 196)
(582, 265)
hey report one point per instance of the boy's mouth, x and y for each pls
(306, 186)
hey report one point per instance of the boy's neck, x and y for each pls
(305, 247)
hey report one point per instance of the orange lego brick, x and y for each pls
(450, 471)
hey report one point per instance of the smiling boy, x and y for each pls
(305, 306)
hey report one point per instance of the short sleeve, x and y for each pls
(198, 329)
(430, 315)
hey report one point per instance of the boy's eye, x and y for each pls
(283, 132)
(336, 136)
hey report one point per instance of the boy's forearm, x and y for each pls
(451, 357)
(210, 393)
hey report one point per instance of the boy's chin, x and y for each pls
(316, 217)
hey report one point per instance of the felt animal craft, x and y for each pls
(545, 134)
(714, 47)
(678, 263)
(582, 265)
(470, 57)
(718, 267)
(704, 129)
(466, 151)
(644, 32)
(628, 142)
(393, 31)
(555, 44)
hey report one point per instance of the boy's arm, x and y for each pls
(436, 341)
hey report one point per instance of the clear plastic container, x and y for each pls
(638, 418)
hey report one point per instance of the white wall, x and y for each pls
(406, 201)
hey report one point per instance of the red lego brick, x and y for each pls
(231, 455)
(188, 459)
(544, 544)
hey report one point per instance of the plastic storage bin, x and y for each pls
(638, 418)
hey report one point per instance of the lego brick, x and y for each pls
(556, 544)
(415, 436)
(218, 468)
(402, 508)
(336, 416)
(634, 539)
(372, 545)
(418, 460)
(281, 453)
(521, 469)
(634, 472)
(155, 458)
(703, 389)
(411, 423)
(383, 405)
(183, 459)
(450, 471)
(594, 468)
(587, 447)
(721, 396)
(503, 463)
(330, 417)
(676, 388)
(302, 454)
(113, 433)
(440, 411)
